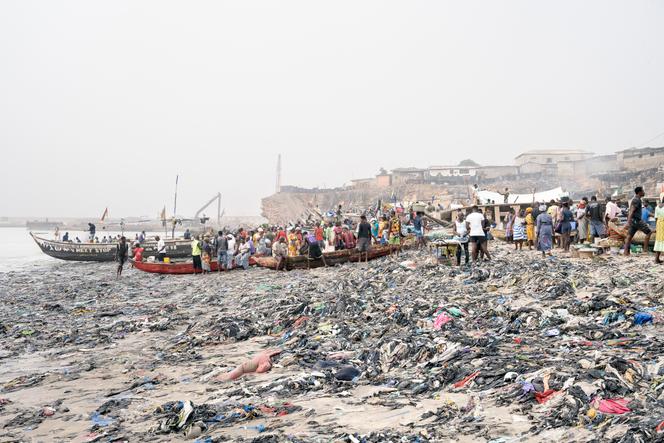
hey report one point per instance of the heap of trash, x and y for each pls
(404, 348)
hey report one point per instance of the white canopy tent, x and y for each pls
(544, 196)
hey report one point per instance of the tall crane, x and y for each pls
(218, 199)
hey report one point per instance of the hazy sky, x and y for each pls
(103, 103)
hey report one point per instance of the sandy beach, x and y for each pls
(86, 357)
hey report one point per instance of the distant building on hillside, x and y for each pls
(545, 161)
(362, 183)
(438, 172)
(494, 172)
(638, 159)
(406, 175)
(550, 156)
(599, 164)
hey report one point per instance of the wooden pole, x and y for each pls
(175, 205)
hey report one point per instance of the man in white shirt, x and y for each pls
(612, 210)
(475, 226)
(231, 251)
(161, 248)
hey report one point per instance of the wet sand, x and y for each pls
(75, 337)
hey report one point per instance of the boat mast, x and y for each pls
(175, 205)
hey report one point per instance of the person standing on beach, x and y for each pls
(280, 253)
(509, 225)
(243, 254)
(418, 225)
(566, 225)
(474, 225)
(596, 221)
(582, 221)
(222, 251)
(364, 236)
(530, 227)
(230, 255)
(611, 212)
(519, 230)
(138, 252)
(635, 223)
(544, 232)
(121, 251)
(659, 229)
(161, 248)
(196, 254)
(461, 233)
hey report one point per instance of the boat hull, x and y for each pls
(178, 267)
(331, 258)
(105, 252)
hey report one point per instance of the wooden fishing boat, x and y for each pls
(331, 258)
(619, 231)
(101, 252)
(186, 267)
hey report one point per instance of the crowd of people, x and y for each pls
(233, 249)
(540, 226)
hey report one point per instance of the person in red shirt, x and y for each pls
(281, 234)
(349, 238)
(138, 252)
(318, 232)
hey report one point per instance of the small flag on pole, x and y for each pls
(105, 214)
(163, 213)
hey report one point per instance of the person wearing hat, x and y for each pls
(659, 229)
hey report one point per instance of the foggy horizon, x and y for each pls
(103, 104)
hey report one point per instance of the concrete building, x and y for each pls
(551, 156)
(362, 183)
(493, 172)
(383, 180)
(599, 164)
(406, 175)
(638, 159)
(437, 172)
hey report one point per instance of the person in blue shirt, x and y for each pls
(645, 213)
(418, 225)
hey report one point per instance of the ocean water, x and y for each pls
(18, 251)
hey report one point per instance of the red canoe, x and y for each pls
(177, 267)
